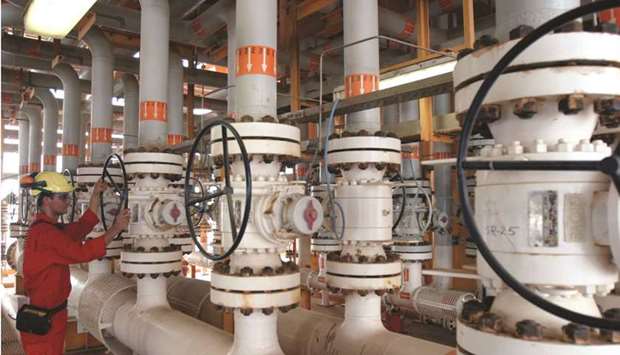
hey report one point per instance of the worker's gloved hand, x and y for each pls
(122, 221)
(100, 186)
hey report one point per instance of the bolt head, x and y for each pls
(472, 311)
(491, 323)
(576, 333)
(485, 41)
(525, 108)
(571, 104)
(520, 31)
(529, 330)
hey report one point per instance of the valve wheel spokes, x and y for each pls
(122, 191)
(227, 190)
(69, 173)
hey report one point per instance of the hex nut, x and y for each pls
(525, 108)
(576, 333)
(472, 311)
(529, 330)
(491, 323)
(571, 104)
(520, 31)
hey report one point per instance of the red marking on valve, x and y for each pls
(175, 212)
(310, 215)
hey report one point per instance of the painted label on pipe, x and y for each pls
(49, 159)
(153, 111)
(256, 60)
(408, 29)
(175, 139)
(70, 150)
(101, 135)
(360, 84)
(34, 167)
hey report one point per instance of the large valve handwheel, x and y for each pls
(609, 166)
(121, 191)
(70, 175)
(227, 189)
(198, 209)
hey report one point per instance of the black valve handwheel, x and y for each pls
(401, 213)
(227, 190)
(122, 191)
(609, 166)
(68, 173)
(198, 209)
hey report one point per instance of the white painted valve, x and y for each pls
(304, 214)
(165, 214)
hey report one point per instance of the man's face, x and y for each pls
(59, 202)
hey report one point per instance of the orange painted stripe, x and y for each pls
(314, 63)
(256, 60)
(446, 5)
(442, 155)
(49, 159)
(407, 29)
(360, 84)
(414, 154)
(405, 295)
(175, 138)
(71, 150)
(610, 15)
(101, 135)
(23, 169)
(153, 111)
(34, 167)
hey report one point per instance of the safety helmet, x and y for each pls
(51, 182)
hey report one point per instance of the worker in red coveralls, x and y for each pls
(51, 247)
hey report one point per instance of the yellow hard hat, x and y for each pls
(52, 182)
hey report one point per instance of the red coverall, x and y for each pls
(48, 253)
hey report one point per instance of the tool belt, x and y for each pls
(36, 320)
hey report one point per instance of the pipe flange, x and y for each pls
(113, 250)
(355, 276)
(145, 263)
(325, 245)
(184, 242)
(412, 250)
(91, 174)
(167, 164)
(18, 230)
(261, 138)
(244, 300)
(365, 149)
(254, 284)
(476, 341)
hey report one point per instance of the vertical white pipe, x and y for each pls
(151, 293)
(84, 125)
(130, 111)
(510, 14)
(256, 334)
(441, 104)
(442, 257)
(409, 111)
(101, 91)
(34, 136)
(412, 276)
(71, 116)
(24, 145)
(98, 268)
(154, 50)
(361, 61)
(390, 115)
(256, 22)
(231, 29)
(50, 127)
(176, 132)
